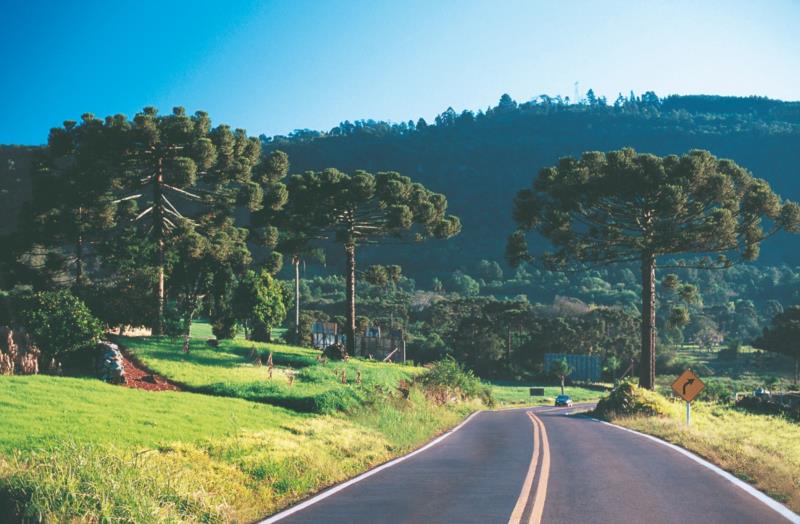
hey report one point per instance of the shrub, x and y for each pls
(59, 323)
(630, 399)
(224, 327)
(448, 379)
(258, 304)
(172, 324)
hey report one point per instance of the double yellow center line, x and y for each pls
(540, 450)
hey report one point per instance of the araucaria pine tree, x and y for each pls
(625, 207)
(180, 169)
(363, 208)
(72, 207)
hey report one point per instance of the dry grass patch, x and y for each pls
(762, 450)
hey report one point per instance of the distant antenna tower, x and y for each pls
(577, 93)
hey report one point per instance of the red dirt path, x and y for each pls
(139, 378)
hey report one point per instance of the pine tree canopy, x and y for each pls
(612, 207)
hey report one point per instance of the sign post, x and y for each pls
(688, 386)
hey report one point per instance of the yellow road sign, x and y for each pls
(688, 385)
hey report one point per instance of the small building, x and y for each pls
(370, 345)
(586, 368)
(323, 334)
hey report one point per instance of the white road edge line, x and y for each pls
(766, 499)
(339, 487)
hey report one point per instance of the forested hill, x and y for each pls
(480, 160)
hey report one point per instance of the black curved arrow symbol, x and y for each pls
(689, 382)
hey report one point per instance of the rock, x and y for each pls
(110, 363)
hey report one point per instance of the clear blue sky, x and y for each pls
(274, 66)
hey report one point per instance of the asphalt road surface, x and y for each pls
(537, 465)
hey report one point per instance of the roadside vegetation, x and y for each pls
(104, 453)
(300, 379)
(763, 450)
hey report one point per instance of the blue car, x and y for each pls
(564, 400)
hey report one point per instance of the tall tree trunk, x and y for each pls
(647, 363)
(296, 262)
(79, 260)
(350, 330)
(158, 234)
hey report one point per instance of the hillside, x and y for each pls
(480, 160)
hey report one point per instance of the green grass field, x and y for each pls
(760, 449)
(81, 450)
(515, 393)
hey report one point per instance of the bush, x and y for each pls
(258, 304)
(59, 323)
(224, 327)
(448, 379)
(630, 399)
(173, 325)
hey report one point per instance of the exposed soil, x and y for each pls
(139, 377)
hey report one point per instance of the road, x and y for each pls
(537, 465)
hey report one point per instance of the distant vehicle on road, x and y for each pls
(563, 400)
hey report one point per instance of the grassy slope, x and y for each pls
(77, 447)
(515, 393)
(230, 371)
(39, 410)
(760, 449)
